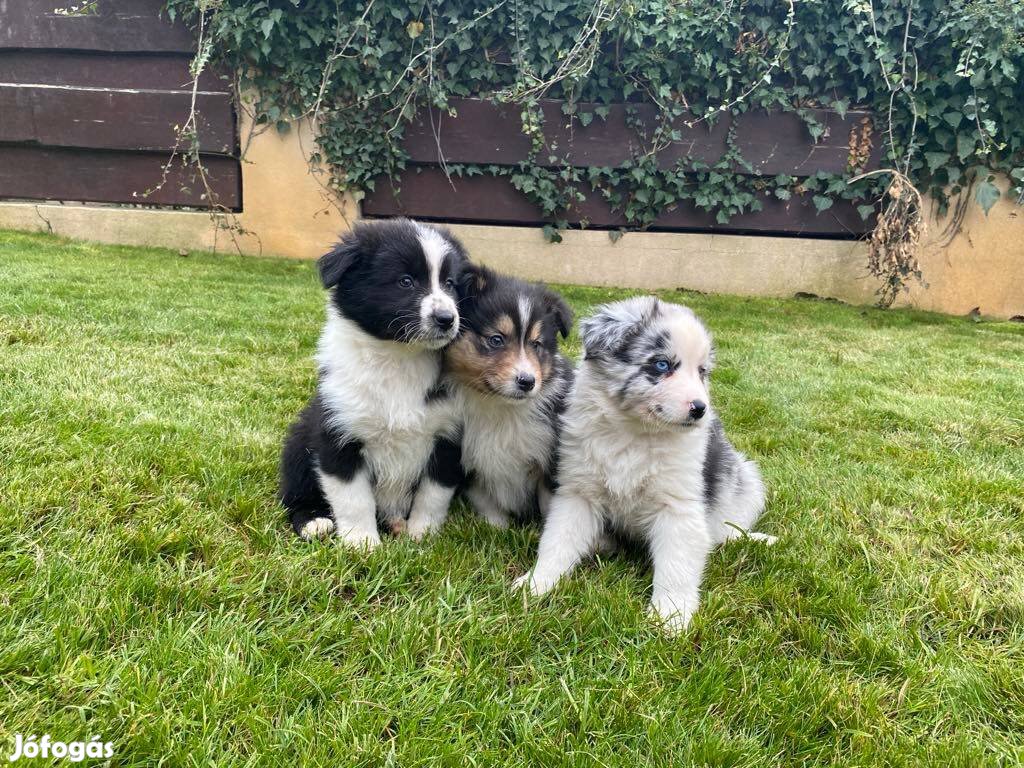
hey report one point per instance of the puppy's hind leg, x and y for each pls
(570, 533)
(738, 505)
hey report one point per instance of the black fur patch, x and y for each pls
(445, 467)
(311, 444)
(719, 461)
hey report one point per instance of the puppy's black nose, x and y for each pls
(444, 318)
(525, 381)
(697, 409)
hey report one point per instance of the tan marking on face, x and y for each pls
(506, 326)
(534, 333)
(466, 362)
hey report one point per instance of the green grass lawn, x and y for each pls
(152, 593)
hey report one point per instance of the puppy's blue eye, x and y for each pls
(405, 281)
(662, 366)
(496, 341)
(449, 283)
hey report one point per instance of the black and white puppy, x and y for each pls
(511, 383)
(379, 438)
(643, 453)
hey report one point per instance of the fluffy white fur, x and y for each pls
(628, 462)
(507, 445)
(380, 387)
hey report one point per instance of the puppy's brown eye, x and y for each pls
(405, 281)
(449, 284)
(497, 341)
(702, 370)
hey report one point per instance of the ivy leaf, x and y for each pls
(267, 25)
(986, 195)
(964, 145)
(615, 235)
(551, 234)
(936, 160)
(865, 211)
(414, 29)
(841, 106)
(585, 118)
(783, 194)
(822, 203)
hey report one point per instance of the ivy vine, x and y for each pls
(943, 78)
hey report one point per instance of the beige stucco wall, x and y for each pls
(288, 211)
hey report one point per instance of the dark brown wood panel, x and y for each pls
(486, 133)
(427, 193)
(165, 72)
(116, 25)
(100, 118)
(44, 173)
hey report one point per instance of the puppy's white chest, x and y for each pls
(506, 446)
(378, 394)
(631, 478)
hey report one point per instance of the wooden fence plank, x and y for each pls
(485, 133)
(100, 118)
(44, 173)
(166, 72)
(116, 25)
(427, 193)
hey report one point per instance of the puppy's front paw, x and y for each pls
(537, 585)
(497, 519)
(765, 538)
(420, 526)
(317, 528)
(673, 615)
(522, 581)
(359, 539)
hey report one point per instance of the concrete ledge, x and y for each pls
(288, 211)
(751, 266)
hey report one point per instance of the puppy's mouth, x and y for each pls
(435, 338)
(657, 415)
(509, 392)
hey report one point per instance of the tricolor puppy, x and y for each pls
(378, 439)
(643, 454)
(511, 382)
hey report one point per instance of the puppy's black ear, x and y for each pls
(612, 326)
(340, 259)
(474, 280)
(560, 311)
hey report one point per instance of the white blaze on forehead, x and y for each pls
(434, 249)
(524, 317)
(689, 338)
